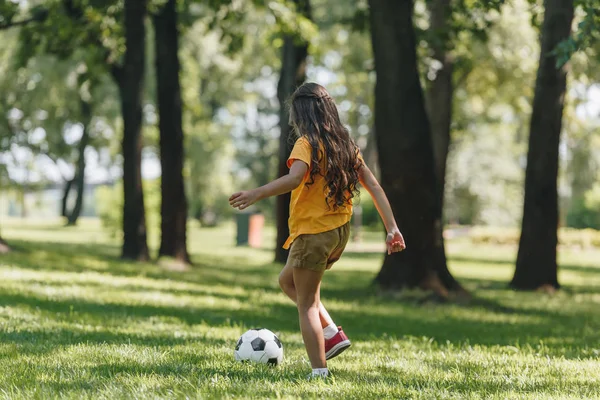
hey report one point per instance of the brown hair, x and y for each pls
(314, 115)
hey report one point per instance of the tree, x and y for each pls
(4, 247)
(588, 31)
(10, 9)
(405, 150)
(79, 179)
(86, 83)
(536, 259)
(48, 76)
(90, 33)
(130, 79)
(494, 75)
(173, 241)
(293, 74)
(45, 105)
(448, 19)
(439, 95)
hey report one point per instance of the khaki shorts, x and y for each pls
(319, 251)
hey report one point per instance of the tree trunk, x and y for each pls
(405, 155)
(22, 199)
(65, 198)
(536, 259)
(4, 248)
(174, 203)
(293, 74)
(130, 79)
(86, 113)
(370, 153)
(439, 97)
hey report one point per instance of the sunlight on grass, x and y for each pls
(76, 322)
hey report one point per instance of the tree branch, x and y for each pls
(39, 16)
(76, 13)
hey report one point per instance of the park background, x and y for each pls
(126, 125)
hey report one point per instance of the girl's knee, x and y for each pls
(307, 304)
(285, 282)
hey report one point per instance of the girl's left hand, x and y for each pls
(395, 242)
(243, 200)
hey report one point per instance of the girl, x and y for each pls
(325, 167)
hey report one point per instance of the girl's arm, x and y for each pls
(394, 241)
(285, 184)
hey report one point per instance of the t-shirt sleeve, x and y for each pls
(302, 151)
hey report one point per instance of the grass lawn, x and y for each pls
(76, 322)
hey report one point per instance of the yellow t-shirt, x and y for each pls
(309, 213)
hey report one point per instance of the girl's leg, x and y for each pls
(307, 283)
(286, 282)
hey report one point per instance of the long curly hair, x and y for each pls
(314, 115)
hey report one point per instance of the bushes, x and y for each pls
(494, 235)
(370, 216)
(585, 212)
(568, 237)
(109, 200)
(109, 204)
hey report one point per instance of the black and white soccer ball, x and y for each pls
(259, 345)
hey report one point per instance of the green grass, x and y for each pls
(76, 322)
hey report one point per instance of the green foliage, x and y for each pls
(89, 32)
(474, 17)
(491, 106)
(110, 203)
(586, 35)
(109, 200)
(8, 10)
(41, 107)
(79, 323)
(585, 212)
(463, 206)
(291, 21)
(209, 178)
(567, 237)
(484, 186)
(10, 15)
(370, 215)
(230, 54)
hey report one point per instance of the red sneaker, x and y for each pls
(336, 345)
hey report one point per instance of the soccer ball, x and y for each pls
(259, 345)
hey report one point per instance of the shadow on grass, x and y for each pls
(360, 323)
(472, 373)
(364, 255)
(41, 342)
(504, 262)
(361, 313)
(57, 227)
(196, 371)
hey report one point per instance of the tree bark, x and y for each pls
(22, 199)
(439, 95)
(293, 74)
(370, 153)
(536, 259)
(65, 198)
(4, 248)
(406, 155)
(130, 79)
(174, 206)
(86, 113)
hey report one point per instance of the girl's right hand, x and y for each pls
(395, 242)
(243, 200)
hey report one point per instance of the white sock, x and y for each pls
(320, 372)
(330, 331)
